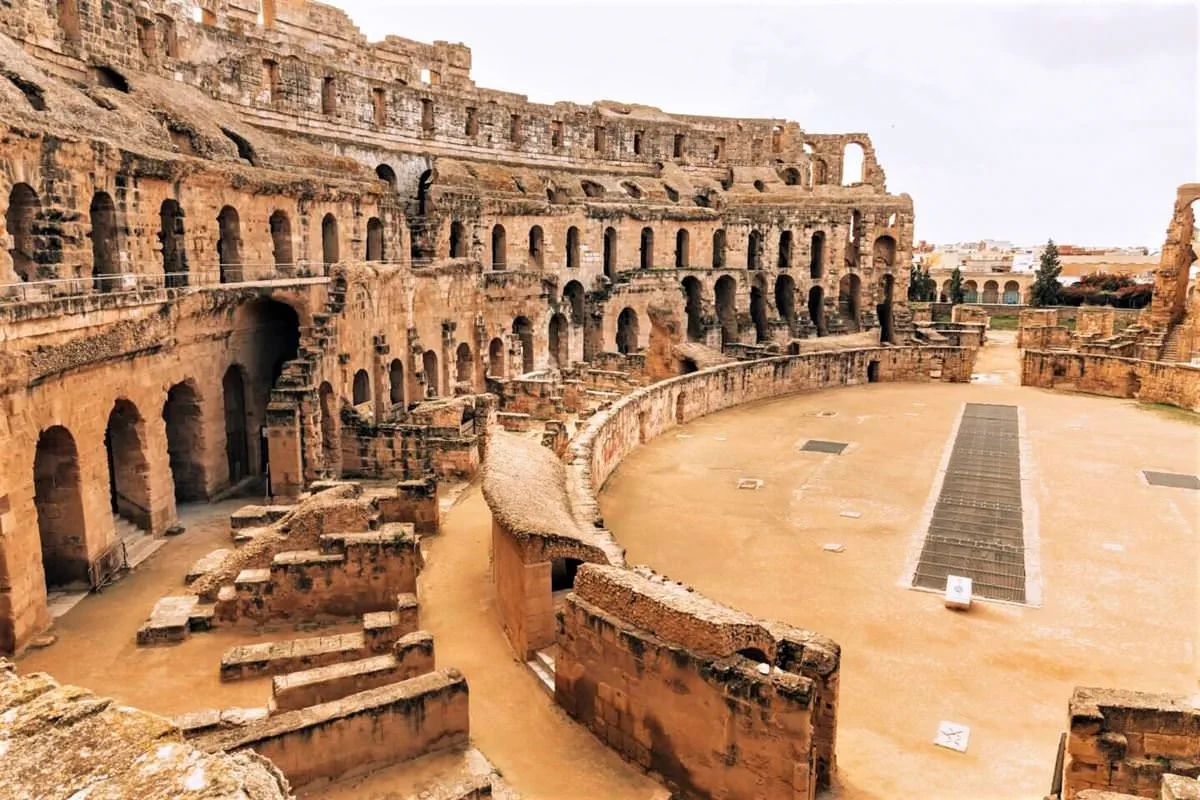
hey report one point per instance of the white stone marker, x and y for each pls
(851, 514)
(749, 483)
(952, 735)
(958, 592)
(834, 547)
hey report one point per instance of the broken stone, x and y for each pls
(851, 514)
(749, 483)
(953, 736)
(833, 547)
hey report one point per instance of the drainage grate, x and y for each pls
(1171, 479)
(818, 446)
(976, 530)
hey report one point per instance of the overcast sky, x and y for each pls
(1013, 122)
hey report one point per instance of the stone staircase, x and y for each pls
(138, 544)
(1170, 350)
(542, 665)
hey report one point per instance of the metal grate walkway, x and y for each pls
(976, 529)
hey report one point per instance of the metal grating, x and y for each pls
(976, 529)
(818, 446)
(1171, 479)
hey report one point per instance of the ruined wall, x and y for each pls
(1111, 376)
(1169, 303)
(1124, 742)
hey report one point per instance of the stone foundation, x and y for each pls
(1146, 381)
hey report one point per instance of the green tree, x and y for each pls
(915, 286)
(1047, 291)
(929, 286)
(957, 295)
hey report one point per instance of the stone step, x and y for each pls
(140, 548)
(253, 516)
(206, 564)
(544, 676)
(169, 620)
(292, 655)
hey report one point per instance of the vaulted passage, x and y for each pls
(977, 530)
(105, 254)
(627, 331)
(849, 300)
(128, 469)
(170, 237)
(496, 358)
(816, 308)
(362, 388)
(23, 208)
(429, 365)
(237, 446)
(185, 442)
(558, 341)
(330, 246)
(726, 292)
(462, 366)
(281, 241)
(522, 328)
(59, 508)
(758, 312)
(694, 308)
(229, 245)
(610, 252)
(396, 382)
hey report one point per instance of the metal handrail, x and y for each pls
(128, 282)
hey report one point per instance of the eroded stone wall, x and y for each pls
(1111, 376)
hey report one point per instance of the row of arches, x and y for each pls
(991, 293)
(28, 227)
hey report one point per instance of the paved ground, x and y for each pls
(1119, 560)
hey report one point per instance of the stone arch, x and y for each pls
(229, 245)
(883, 252)
(610, 252)
(462, 365)
(573, 294)
(374, 239)
(429, 366)
(785, 299)
(128, 467)
(361, 390)
(850, 300)
(537, 246)
(791, 176)
(816, 308)
(853, 162)
(991, 292)
(819, 172)
(646, 249)
(330, 246)
(106, 259)
(816, 267)
(559, 341)
(184, 420)
(522, 328)
(1012, 293)
(171, 240)
(58, 498)
(499, 247)
(693, 307)
(396, 382)
(718, 247)
(572, 247)
(24, 208)
(758, 311)
(386, 174)
(496, 358)
(785, 250)
(458, 240)
(883, 310)
(754, 250)
(682, 254)
(970, 292)
(725, 293)
(237, 443)
(627, 331)
(281, 241)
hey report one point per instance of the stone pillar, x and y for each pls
(283, 448)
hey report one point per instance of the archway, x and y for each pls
(627, 331)
(171, 239)
(758, 312)
(970, 292)
(496, 358)
(816, 267)
(229, 245)
(105, 254)
(23, 209)
(59, 504)
(883, 254)
(754, 250)
(849, 299)
(558, 339)
(522, 328)
(991, 292)
(462, 365)
(718, 247)
(374, 239)
(1012, 293)
(184, 421)
(562, 573)
(816, 308)
(572, 247)
(396, 382)
(682, 256)
(499, 247)
(329, 240)
(693, 306)
(785, 250)
(330, 449)
(726, 297)
(537, 246)
(458, 240)
(281, 241)
(884, 309)
(237, 446)
(573, 296)
(387, 174)
(362, 388)
(128, 468)
(785, 299)
(873, 372)
(429, 365)
(610, 252)
(647, 248)
(852, 164)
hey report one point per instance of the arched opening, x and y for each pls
(726, 297)
(374, 239)
(458, 240)
(396, 382)
(873, 372)
(682, 256)
(559, 353)
(562, 573)
(647, 248)
(329, 240)
(68, 20)
(1012, 293)
(883, 252)
(693, 291)
(185, 442)
(970, 292)
(945, 296)
(237, 445)
(816, 267)
(852, 164)
(229, 245)
(991, 292)
(330, 450)
(537, 246)
(462, 365)
(572, 247)
(573, 295)
(816, 308)
(884, 309)
(758, 312)
(785, 250)
(791, 176)
(128, 469)
(429, 366)
(754, 654)
(386, 174)
(785, 299)
(627, 331)
(819, 172)
(281, 241)
(496, 358)
(610, 252)
(849, 298)
(170, 238)
(244, 150)
(362, 388)
(23, 209)
(106, 261)
(753, 250)
(499, 247)
(424, 184)
(59, 503)
(522, 328)
(854, 234)
(718, 249)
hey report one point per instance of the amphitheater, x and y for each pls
(370, 434)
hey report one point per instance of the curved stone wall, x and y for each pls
(1111, 376)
